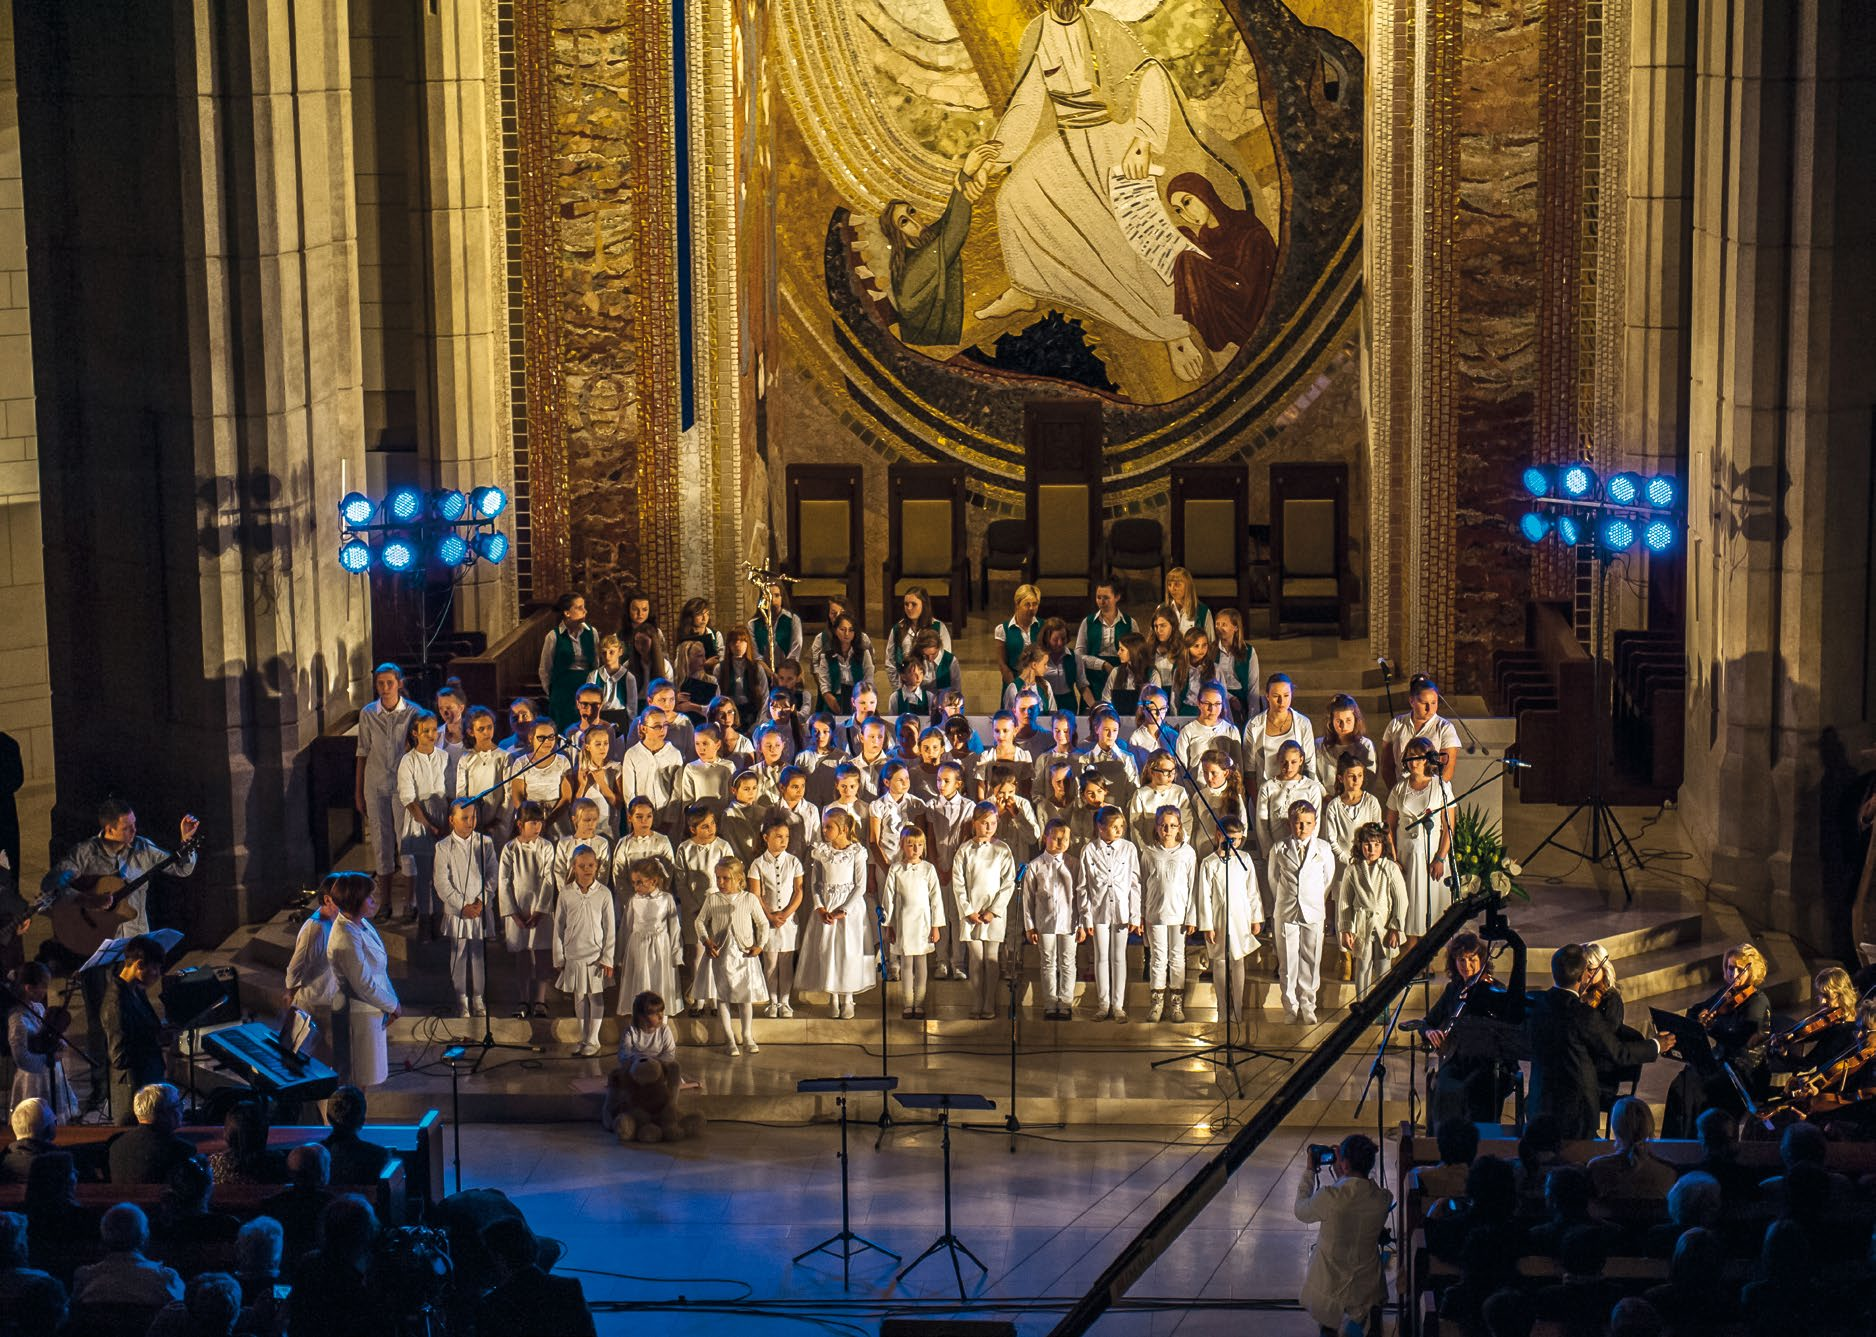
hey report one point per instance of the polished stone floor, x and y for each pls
(719, 1220)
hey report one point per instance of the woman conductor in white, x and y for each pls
(366, 1003)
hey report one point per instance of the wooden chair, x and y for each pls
(1006, 548)
(925, 540)
(826, 537)
(1137, 543)
(1309, 545)
(1062, 491)
(1211, 518)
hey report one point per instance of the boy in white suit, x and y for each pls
(1301, 871)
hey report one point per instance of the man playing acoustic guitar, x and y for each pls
(92, 874)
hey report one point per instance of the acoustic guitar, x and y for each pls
(90, 909)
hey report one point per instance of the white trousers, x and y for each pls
(1234, 973)
(1110, 966)
(1166, 956)
(1371, 959)
(468, 967)
(1057, 984)
(984, 972)
(1299, 947)
(381, 811)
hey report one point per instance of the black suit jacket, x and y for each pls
(134, 1036)
(18, 1159)
(354, 1160)
(146, 1154)
(1568, 1039)
(533, 1301)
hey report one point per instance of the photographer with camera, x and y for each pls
(1345, 1286)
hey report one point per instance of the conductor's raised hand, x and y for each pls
(190, 825)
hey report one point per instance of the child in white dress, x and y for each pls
(482, 768)
(1302, 874)
(707, 779)
(1370, 906)
(1107, 907)
(1159, 788)
(423, 813)
(804, 819)
(585, 945)
(467, 882)
(983, 878)
(641, 841)
(651, 937)
(1049, 920)
(525, 899)
(834, 952)
(1167, 869)
(1420, 822)
(536, 777)
(697, 858)
(913, 909)
(733, 930)
(1231, 909)
(1278, 794)
(776, 877)
(1352, 808)
(585, 817)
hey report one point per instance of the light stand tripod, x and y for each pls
(1227, 1054)
(846, 1243)
(1603, 826)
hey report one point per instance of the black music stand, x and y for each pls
(846, 1243)
(944, 1103)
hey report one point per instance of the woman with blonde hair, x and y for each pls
(1630, 1173)
(1736, 1020)
(1828, 1029)
(1020, 631)
(1182, 597)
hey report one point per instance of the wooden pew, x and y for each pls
(388, 1195)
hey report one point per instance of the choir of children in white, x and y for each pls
(824, 855)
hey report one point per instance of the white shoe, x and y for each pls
(735, 1050)
(771, 1009)
(462, 1007)
(1309, 1018)
(476, 1007)
(1120, 1016)
(752, 1046)
(1178, 1004)
(942, 970)
(846, 1012)
(785, 1011)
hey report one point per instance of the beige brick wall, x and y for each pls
(25, 683)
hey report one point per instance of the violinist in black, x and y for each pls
(1605, 1000)
(1827, 1031)
(1469, 1085)
(1737, 1019)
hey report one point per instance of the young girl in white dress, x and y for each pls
(1230, 908)
(835, 955)
(423, 813)
(584, 817)
(595, 779)
(913, 904)
(651, 937)
(1351, 809)
(1422, 837)
(481, 768)
(536, 777)
(1107, 906)
(1370, 906)
(1277, 724)
(733, 930)
(707, 779)
(1287, 786)
(983, 879)
(585, 944)
(642, 841)
(804, 819)
(776, 877)
(37, 1073)
(525, 902)
(1345, 733)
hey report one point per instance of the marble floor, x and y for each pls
(717, 1221)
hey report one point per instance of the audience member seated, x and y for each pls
(1579, 1304)
(301, 1207)
(209, 1306)
(33, 1127)
(1540, 1148)
(1481, 1234)
(331, 1295)
(1635, 1317)
(257, 1269)
(354, 1160)
(1786, 1296)
(25, 1289)
(147, 1153)
(1695, 1200)
(1805, 1144)
(465, 1216)
(246, 1158)
(60, 1231)
(1459, 1144)
(1692, 1300)
(124, 1277)
(189, 1237)
(526, 1298)
(1718, 1132)
(1566, 1196)
(1631, 1174)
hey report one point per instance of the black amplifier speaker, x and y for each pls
(201, 996)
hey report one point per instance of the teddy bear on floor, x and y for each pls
(642, 1092)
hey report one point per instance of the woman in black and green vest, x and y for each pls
(569, 653)
(788, 633)
(1020, 632)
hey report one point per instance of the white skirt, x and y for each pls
(732, 977)
(837, 957)
(581, 978)
(647, 963)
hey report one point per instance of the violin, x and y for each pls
(1593, 994)
(1822, 1019)
(49, 1039)
(1731, 999)
(1811, 1094)
(1438, 1038)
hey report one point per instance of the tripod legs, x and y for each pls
(947, 1241)
(1607, 840)
(846, 1244)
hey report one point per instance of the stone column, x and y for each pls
(191, 243)
(1781, 384)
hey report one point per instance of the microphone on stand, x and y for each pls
(1515, 763)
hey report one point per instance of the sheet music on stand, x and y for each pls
(297, 1033)
(1144, 221)
(111, 950)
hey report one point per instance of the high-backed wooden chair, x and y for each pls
(925, 540)
(1211, 518)
(1309, 546)
(826, 537)
(1062, 491)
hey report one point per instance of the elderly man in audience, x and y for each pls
(33, 1127)
(147, 1153)
(209, 1307)
(25, 1289)
(354, 1160)
(301, 1206)
(258, 1250)
(124, 1276)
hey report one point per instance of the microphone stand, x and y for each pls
(885, 1121)
(488, 1041)
(1387, 684)
(1011, 1124)
(1377, 1078)
(1228, 1055)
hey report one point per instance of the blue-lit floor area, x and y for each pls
(717, 1222)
